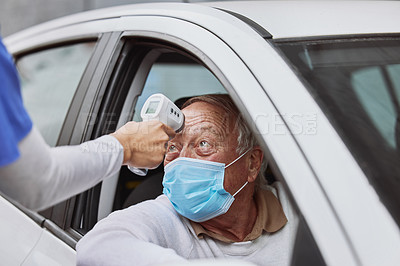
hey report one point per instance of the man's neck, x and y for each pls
(243, 213)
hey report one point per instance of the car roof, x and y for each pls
(282, 19)
(288, 19)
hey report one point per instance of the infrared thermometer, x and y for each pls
(159, 107)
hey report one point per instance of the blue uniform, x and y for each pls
(15, 122)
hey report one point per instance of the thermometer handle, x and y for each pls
(138, 171)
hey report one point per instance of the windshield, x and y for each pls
(357, 84)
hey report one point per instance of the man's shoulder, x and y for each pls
(278, 189)
(150, 214)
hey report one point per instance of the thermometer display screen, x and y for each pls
(152, 108)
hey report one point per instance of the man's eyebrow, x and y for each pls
(217, 131)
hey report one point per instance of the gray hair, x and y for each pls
(246, 139)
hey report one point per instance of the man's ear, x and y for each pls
(254, 163)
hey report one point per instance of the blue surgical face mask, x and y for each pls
(196, 188)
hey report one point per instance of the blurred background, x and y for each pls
(16, 15)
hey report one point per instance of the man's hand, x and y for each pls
(145, 143)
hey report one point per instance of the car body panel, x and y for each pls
(21, 229)
(50, 250)
(30, 243)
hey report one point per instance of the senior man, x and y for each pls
(215, 204)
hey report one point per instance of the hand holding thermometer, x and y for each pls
(159, 107)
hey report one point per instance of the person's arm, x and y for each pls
(44, 176)
(148, 233)
(39, 176)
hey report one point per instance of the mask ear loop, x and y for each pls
(234, 161)
(240, 189)
(237, 159)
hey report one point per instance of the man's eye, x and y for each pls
(172, 148)
(204, 144)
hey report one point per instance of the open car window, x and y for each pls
(179, 77)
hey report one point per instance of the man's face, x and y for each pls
(209, 134)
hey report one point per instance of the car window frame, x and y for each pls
(114, 91)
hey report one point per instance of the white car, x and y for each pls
(319, 82)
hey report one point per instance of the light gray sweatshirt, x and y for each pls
(153, 233)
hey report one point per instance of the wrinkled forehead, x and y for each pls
(201, 116)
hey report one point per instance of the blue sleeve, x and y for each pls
(15, 122)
